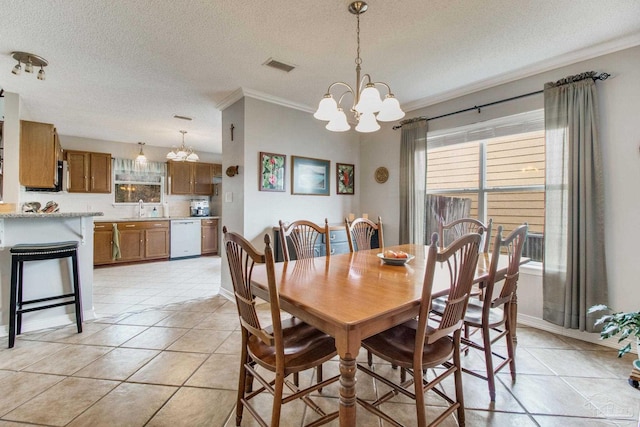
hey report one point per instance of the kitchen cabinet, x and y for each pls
(40, 152)
(191, 178)
(209, 236)
(139, 241)
(89, 172)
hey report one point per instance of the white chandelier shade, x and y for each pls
(182, 153)
(366, 97)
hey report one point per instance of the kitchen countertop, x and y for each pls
(158, 218)
(50, 215)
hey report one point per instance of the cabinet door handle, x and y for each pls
(99, 226)
(333, 251)
(333, 236)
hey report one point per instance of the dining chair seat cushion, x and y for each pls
(397, 345)
(304, 346)
(473, 315)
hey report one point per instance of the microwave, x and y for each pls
(58, 187)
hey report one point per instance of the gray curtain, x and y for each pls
(413, 182)
(574, 275)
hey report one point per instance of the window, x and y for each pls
(134, 182)
(500, 166)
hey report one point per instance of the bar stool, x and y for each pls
(38, 252)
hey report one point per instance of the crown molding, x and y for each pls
(250, 93)
(538, 68)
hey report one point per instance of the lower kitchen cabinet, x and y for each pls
(210, 236)
(138, 241)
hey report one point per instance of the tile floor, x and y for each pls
(164, 353)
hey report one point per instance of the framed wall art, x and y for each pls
(272, 171)
(310, 176)
(345, 178)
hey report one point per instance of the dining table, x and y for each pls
(355, 295)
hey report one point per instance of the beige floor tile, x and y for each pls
(68, 360)
(113, 335)
(156, 338)
(69, 334)
(218, 371)
(549, 395)
(555, 421)
(200, 341)
(497, 419)
(196, 407)
(127, 405)
(613, 398)
(25, 353)
(220, 322)
(232, 345)
(169, 368)
(63, 402)
(19, 387)
(581, 363)
(183, 319)
(145, 318)
(118, 364)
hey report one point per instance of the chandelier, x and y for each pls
(366, 97)
(182, 153)
(29, 60)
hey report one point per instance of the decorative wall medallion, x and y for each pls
(232, 171)
(381, 175)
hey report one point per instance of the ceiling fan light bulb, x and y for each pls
(41, 75)
(17, 69)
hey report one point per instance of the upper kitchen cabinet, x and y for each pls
(89, 172)
(191, 178)
(39, 155)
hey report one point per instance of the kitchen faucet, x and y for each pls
(140, 208)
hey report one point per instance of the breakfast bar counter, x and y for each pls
(43, 278)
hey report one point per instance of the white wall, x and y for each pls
(619, 97)
(262, 126)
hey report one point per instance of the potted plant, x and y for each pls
(624, 325)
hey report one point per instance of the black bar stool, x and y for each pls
(39, 252)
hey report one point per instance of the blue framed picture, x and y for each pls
(310, 176)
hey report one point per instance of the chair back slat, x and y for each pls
(458, 228)
(303, 236)
(242, 257)
(512, 245)
(360, 233)
(461, 260)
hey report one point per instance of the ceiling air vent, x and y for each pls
(278, 65)
(178, 116)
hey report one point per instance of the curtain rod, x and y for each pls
(602, 76)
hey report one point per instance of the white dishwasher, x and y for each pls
(185, 238)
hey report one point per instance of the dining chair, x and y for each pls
(361, 232)
(303, 237)
(288, 346)
(459, 227)
(492, 316)
(416, 346)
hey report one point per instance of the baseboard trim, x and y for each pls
(591, 337)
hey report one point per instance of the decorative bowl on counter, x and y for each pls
(394, 260)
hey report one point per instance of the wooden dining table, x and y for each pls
(356, 295)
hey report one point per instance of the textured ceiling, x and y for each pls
(120, 69)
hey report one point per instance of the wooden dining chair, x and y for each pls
(303, 237)
(361, 232)
(459, 227)
(415, 346)
(286, 347)
(493, 316)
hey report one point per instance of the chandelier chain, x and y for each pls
(358, 59)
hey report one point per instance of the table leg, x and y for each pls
(347, 391)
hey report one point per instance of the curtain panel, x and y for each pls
(574, 276)
(413, 182)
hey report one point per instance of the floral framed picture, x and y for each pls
(272, 172)
(310, 176)
(345, 178)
